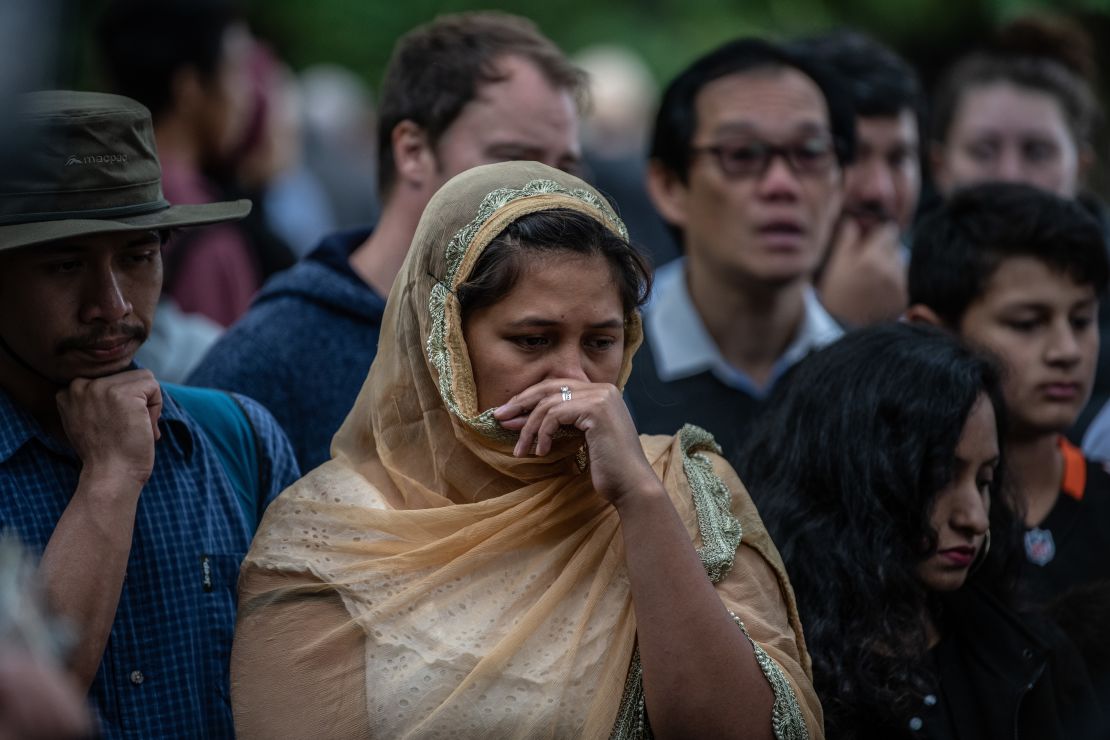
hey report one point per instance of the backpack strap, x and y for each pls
(229, 429)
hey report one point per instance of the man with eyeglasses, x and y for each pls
(747, 168)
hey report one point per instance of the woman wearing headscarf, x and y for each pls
(493, 551)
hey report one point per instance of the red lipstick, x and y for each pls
(961, 557)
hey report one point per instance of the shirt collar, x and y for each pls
(682, 346)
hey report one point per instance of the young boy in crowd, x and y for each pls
(1018, 272)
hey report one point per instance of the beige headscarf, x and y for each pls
(487, 592)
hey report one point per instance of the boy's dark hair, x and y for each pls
(145, 43)
(676, 121)
(957, 247)
(880, 83)
(437, 68)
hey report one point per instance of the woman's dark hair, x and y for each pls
(844, 470)
(1051, 57)
(557, 230)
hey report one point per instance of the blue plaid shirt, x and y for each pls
(165, 669)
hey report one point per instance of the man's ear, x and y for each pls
(919, 313)
(668, 193)
(413, 158)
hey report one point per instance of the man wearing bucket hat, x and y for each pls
(140, 497)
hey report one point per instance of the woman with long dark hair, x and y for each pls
(879, 476)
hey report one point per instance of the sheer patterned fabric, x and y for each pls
(426, 583)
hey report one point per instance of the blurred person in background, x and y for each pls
(266, 167)
(37, 697)
(30, 47)
(38, 700)
(463, 90)
(1024, 110)
(863, 279)
(340, 142)
(615, 131)
(186, 60)
(747, 166)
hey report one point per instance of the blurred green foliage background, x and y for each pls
(668, 33)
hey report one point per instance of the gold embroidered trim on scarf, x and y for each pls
(719, 529)
(786, 716)
(720, 533)
(632, 723)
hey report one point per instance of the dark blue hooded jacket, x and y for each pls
(304, 348)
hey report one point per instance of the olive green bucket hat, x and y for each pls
(85, 163)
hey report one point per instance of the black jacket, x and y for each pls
(1005, 676)
(1000, 676)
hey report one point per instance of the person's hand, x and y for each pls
(864, 281)
(112, 423)
(617, 463)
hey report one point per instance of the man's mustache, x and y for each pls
(100, 335)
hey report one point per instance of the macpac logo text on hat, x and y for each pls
(97, 159)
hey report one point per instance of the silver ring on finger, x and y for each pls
(565, 391)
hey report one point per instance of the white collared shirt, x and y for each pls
(682, 346)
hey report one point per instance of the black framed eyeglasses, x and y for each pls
(814, 155)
